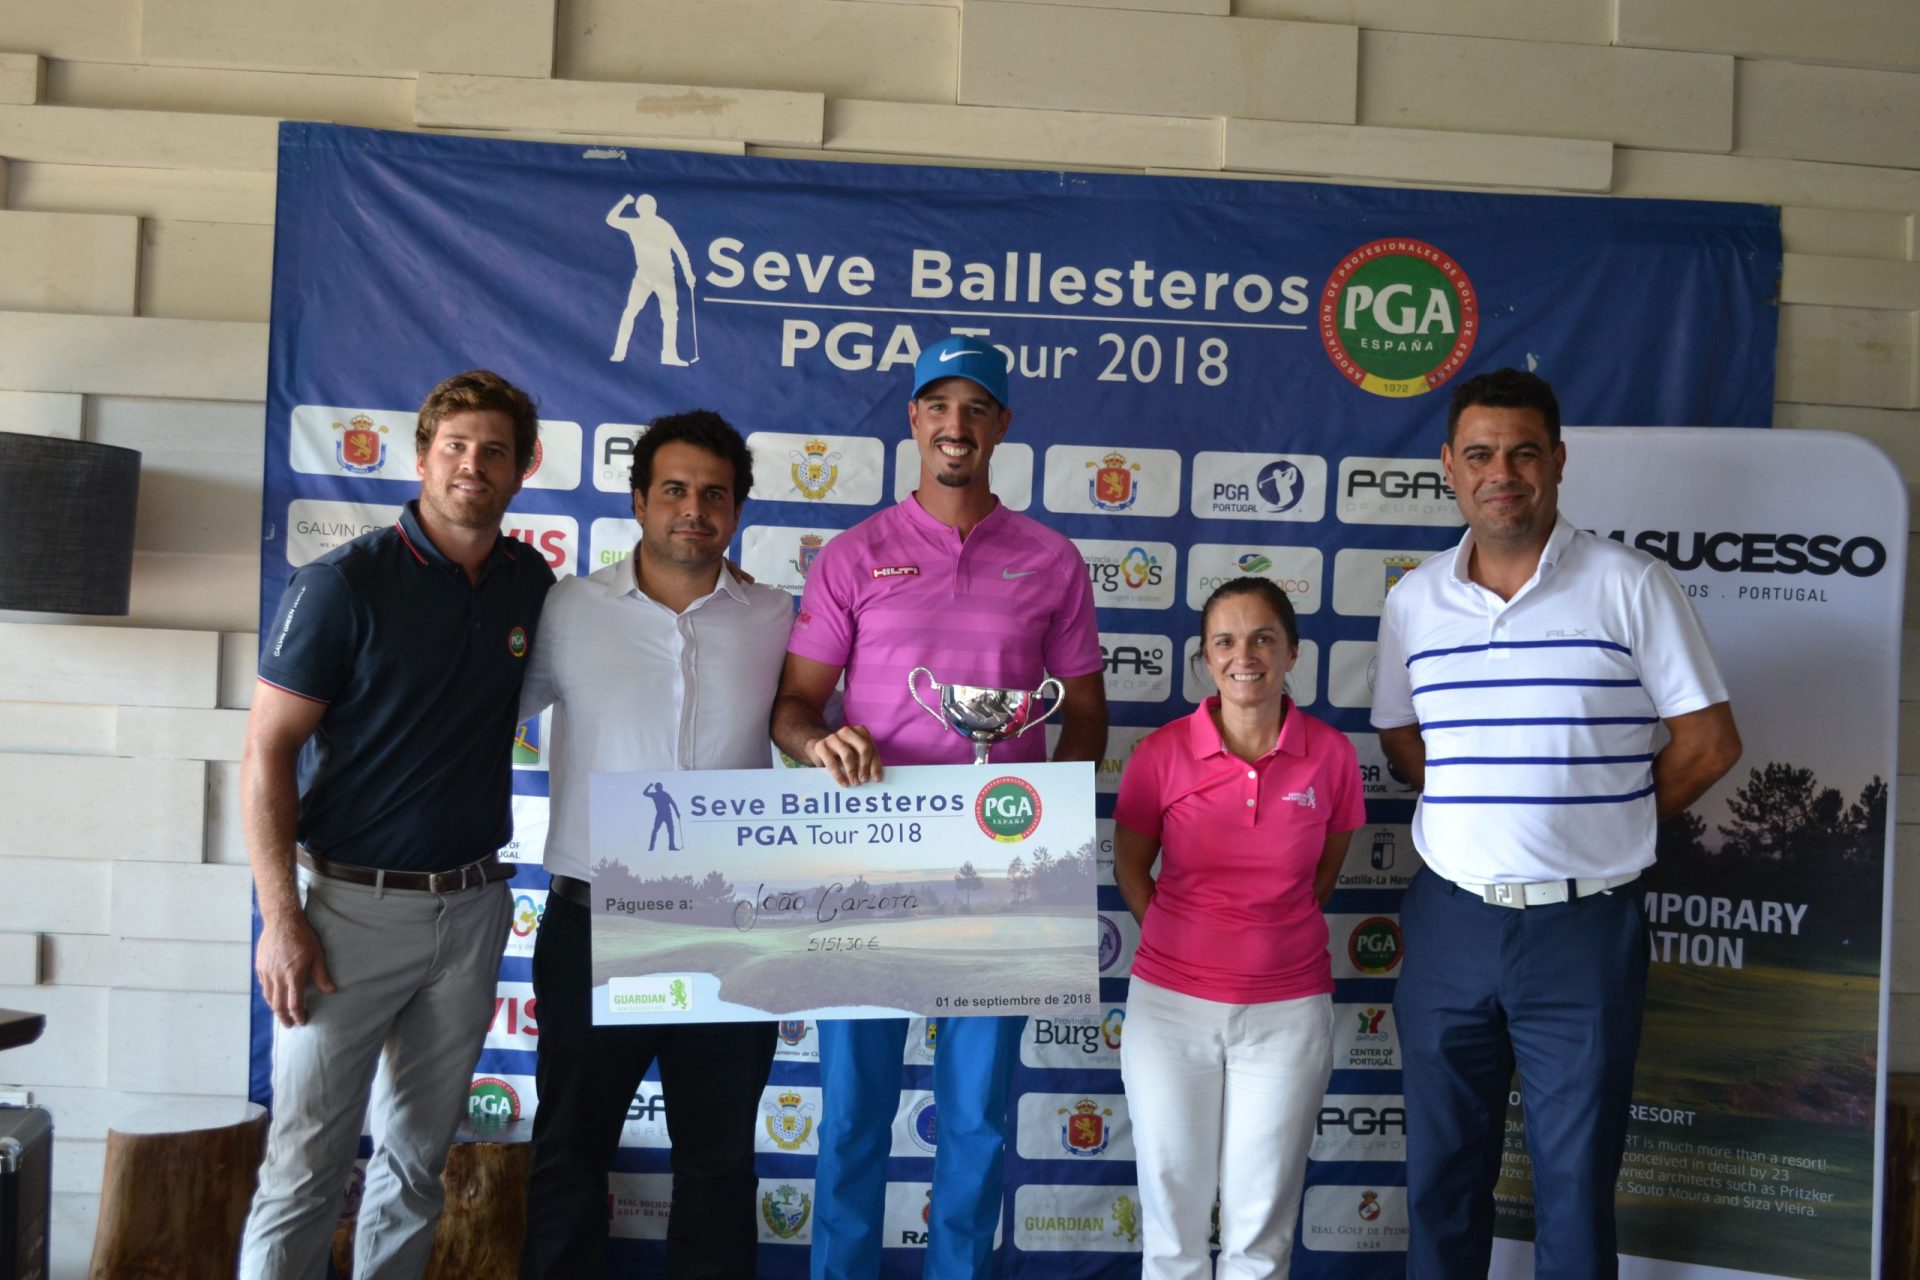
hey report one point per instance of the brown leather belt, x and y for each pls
(472, 876)
(568, 889)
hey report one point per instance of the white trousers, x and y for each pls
(1222, 1097)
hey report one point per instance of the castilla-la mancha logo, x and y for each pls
(1398, 317)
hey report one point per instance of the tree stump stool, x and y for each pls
(485, 1220)
(174, 1199)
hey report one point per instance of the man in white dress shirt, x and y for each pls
(665, 660)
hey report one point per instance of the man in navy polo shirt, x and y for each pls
(1521, 678)
(378, 760)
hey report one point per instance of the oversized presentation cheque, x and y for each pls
(944, 890)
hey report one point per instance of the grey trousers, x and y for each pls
(415, 976)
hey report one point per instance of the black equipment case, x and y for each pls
(26, 1192)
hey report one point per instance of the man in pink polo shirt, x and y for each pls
(951, 580)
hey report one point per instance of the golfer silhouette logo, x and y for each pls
(665, 814)
(656, 247)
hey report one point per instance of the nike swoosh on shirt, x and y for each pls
(1011, 574)
(945, 356)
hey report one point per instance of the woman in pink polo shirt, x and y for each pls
(1248, 803)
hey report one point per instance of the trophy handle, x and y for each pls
(1059, 696)
(913, 681)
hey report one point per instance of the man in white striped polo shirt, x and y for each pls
(1522, 678)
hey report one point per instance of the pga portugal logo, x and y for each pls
(1008, 810)
(1398, 317)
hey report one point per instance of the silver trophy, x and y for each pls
(985, 716)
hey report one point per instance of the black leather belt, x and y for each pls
(472, 876)
(568, 889)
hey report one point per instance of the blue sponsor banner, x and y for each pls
(1209, 378)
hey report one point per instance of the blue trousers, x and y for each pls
(860, 1080)
(1556, 991)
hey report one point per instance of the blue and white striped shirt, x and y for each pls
(1539, 713)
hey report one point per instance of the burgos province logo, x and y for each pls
(1398, 317)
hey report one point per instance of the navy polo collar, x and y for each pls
(426, 553)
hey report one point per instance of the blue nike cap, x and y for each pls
(962, 357)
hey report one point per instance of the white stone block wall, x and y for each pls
(136, 208)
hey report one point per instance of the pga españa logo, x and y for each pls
(1398, 317)
(1007, 809)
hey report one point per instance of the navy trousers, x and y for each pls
(712, 1075)
(1556, 991)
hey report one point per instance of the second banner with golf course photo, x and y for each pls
(942, 890)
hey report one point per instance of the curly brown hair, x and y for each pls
(478, 391)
